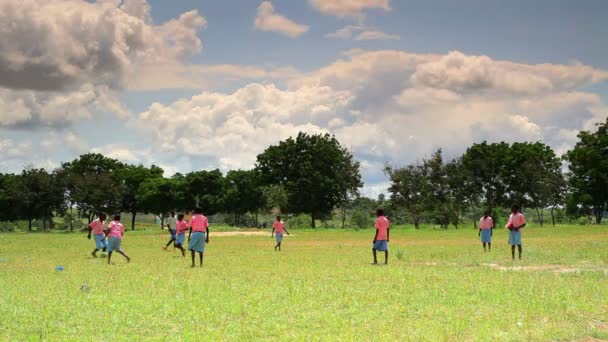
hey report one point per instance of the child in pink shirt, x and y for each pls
(278, 228)
(381, 238)
(198, 235)
(486, 225)
(97, 227)
(114, 233)
(517, 221)
(181, 227)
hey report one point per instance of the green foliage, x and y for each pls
(589, 171)
(315, 170)
(299, 221)
(205, 189)
(361, 219)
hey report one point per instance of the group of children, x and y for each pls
(516, 222)
(198, 234)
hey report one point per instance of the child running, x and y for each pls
(517, 221)
(97, 227)
(486, 226)
(180, 233)
(115, 232)
(198, 235)
(278, 228)
(382, 236)
(171, 221)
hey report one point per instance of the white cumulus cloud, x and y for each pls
(268, 20)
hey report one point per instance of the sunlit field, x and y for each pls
(439, 285)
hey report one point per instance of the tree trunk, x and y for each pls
(256, 220)
(44, 224)
(71, 218)
(133, 214)
(343, 213)
(312, 219)
(599, 214)
(553, 216)
(29, 228)
(540, 216)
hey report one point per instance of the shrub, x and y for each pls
(361, 219)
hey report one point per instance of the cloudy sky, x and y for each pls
(203, 84)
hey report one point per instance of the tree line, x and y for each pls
(308, 174)
(316, 176)
(489, 176)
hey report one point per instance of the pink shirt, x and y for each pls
(382, 226)
(97, 226)
(279, 227)
(181, 227)
(516, 220)
(116, 229)
(486, 223)
(199, 223)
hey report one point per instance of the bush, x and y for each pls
(300, 221)
(361, 219)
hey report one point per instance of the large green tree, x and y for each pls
(93, 183)
(37, 194)
(485, 163)
(409, 190)
(588, 163)
(315, 170)
(132, 176)
(205, 189)
(156, 195)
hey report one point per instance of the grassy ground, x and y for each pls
(439, 286)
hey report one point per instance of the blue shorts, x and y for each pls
(179, 239)
(172, 232)
(486, 235)
(514, 237)
(100, 241)
(114, 244)
(278, 237)
(197, 242)
(381, 245)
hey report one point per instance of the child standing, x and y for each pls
(171, 221)
(198, 235)
(97, 227)
(517, 221)
(486, 225)
(278, 228)
(180, 233)
(115, 232)
(382, 236)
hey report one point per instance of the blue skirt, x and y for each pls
(114, 244)
(179, 239)
(278, 237)
(486, 235)
(381, 245)
(100, 241)
(197, 242)
(514, 237)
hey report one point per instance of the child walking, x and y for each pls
(171, 221)
(517, 221)
(278, 228)
(97, 227)
(382, 236)
(180, 233)
(198, 235)
(115, 232)
(486, 226)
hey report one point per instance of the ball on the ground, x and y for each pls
(103, 255)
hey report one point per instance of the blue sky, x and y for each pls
(236, 76)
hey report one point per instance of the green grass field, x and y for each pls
(439, 286)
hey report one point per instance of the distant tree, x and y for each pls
(533, 175)
(7, 201)
(206, 189)
(315, 170)
(93, 184)
(157, 196)
(132, 176)
(36, 195)
(485, 164)
(275, 197)
(243, 194)
(460, 193)
(588, 163)
(409, 189)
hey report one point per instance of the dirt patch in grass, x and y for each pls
(240, 233)
(549, 268)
